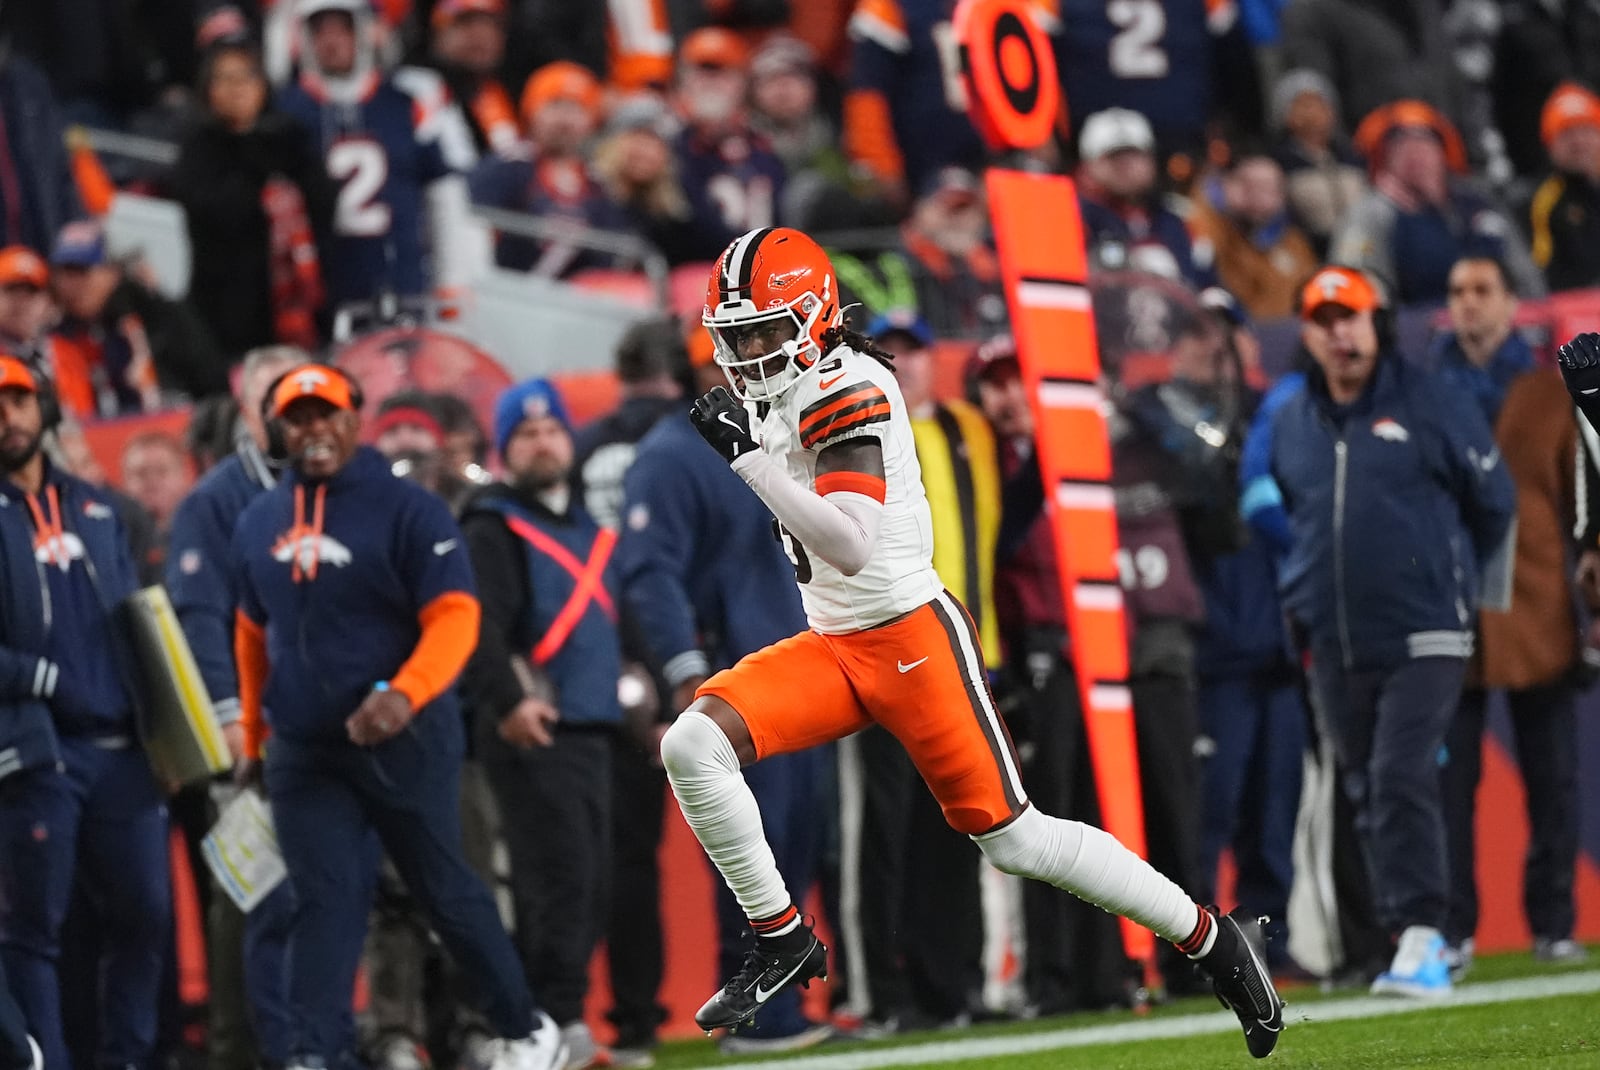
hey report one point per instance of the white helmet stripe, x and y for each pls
(736, 267)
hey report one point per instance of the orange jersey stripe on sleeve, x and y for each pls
(869, 134)
(883, 21)
(852, 483)
(818, 414)
(867, 412)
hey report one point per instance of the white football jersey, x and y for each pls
(848, 395)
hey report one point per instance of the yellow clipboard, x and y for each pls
(179, 726)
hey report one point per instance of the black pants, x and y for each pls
(556, 807)
(1074, 958)
(1167, 720)
(1389, 729)
(633, 937)
(1257, 726)
(14, 1050)
(1544, 720)
(913, 914)
(333, 804)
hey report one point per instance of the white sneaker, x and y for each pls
(1561, 952)
(582, 1050)
(1459, 959)
(478, 1050)
(1419, 969)
(542, 1050)
(38, 1056)
(400, 1052)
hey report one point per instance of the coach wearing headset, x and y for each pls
(356, 613)
(77, 799)
(1396, 500)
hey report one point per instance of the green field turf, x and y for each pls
(1511, 1013)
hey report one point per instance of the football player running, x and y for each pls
(816, 426)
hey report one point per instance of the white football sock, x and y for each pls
(1094, 866)
(719, 806)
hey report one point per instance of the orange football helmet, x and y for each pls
(768, 277)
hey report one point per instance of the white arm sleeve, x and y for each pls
(841, 528)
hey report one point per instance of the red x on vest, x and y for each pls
(590, 587)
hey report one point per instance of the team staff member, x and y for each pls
(356, 612)
(549, 600)
(1396, 499)
(201, 589)
(77, 800)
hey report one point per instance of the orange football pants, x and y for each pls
(921, 677)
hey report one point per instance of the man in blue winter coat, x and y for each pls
(78, 802)
(202, 593)
(1396, 499)
(709, 582)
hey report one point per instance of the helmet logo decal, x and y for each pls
(786, 279)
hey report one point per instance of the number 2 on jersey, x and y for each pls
(361, 168)
(1136, 50)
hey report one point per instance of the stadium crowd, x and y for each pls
(1338, 537)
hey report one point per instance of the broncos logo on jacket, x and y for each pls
(305, 547)
(58, 548)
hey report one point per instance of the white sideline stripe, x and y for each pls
(1188, 1025)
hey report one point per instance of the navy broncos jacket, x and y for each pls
(341, 589)
(197, 576)
(46, 611)
(1395, 502)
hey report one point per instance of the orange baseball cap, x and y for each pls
(447, 11)
(1569, 106)
(312, 381)
(15, 375)
(561, 80)
(21, 265)
(713, 46)
(1341, 286)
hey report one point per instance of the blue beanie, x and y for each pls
(536, 397)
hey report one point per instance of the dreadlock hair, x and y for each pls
(842, 335)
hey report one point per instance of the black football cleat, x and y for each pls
(769, 967)
(1238, 971)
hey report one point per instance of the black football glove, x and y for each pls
(1580, 367)
(724, 423)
